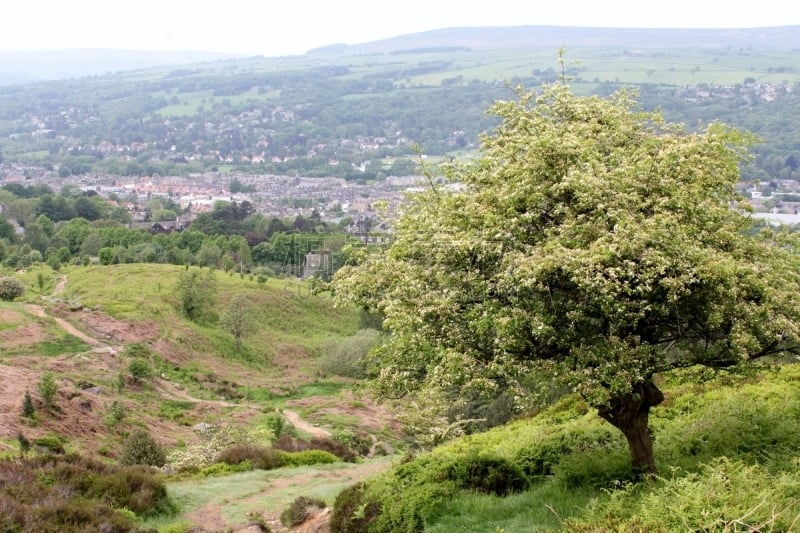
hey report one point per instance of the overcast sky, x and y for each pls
(289, 27)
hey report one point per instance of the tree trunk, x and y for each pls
(630, 414)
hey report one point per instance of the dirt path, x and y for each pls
(39, 311)
(302, 425)
(174, 392)
(60, 286)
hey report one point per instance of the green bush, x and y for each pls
(309, 457)
(135, 488)
(554, 444)
(24, 444)
(359, 442)
(49, 443)
(28, 411)
(140, 368)
(485, 473)
(295, 514)
(409, 511)
(596, 468)
(277, 424)
(224, 469)
(142, 449)
(352, 513)
(48, 390)
(346, 357)
(115, 414)
(10, 289)
(333, 446)
(137, 349)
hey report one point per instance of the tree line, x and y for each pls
(231, 236)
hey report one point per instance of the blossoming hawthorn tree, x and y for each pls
(592, 243)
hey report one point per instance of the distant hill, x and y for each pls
(775, 38)
(25, 66)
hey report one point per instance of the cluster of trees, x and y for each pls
(232, 236)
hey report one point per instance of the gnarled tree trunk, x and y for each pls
(630, 414)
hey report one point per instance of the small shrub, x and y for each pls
(28, 411)
(543, 455)
(135, 488)
(10, 289)
(116, 413)
(137, 349)
(119, 384)
(360, 443)
(352, 513)
(595, 468)
(310, 457)
(24, 444)
(259, 457)
(295, 514)
(485, 473)
(224, 469)
(48, 390)
(277, 423)
(287, 443)
(140, 368)
(409, 510)
(334, 447)
(49, 444)
(142, 449)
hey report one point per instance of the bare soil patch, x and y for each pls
(14, 381)
(302, 425)
(109, 329)
(26, 335)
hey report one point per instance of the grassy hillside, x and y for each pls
(82, 323)
(121, 358)
(727, 451)
(726, 446)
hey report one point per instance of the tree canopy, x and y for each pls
(592, 244)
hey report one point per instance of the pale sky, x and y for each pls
(290, 27)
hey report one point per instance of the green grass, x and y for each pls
(175, 410)
(285, 311)
(241, 493)
(63, 344)
(726, 450)
(543, 508)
